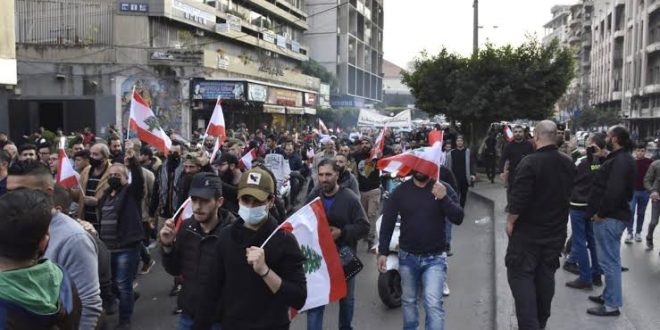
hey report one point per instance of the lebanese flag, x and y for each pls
(326, 282)
(66, 176)
(322, 128)
(246, 161)
(217, 123)
(143, 121)
(507, 133)
(184, 212)
(379, 145)
(426, 160)
(435, 136)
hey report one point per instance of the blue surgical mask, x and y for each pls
(253, 215)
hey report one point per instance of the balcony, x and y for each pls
(586, 42)
(618, 34)
(653, 7)
(653, 47)
(652, 88)
(574, 21)
(616, 96)
(574, 40)
(281, 13)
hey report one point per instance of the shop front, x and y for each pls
(251, 103)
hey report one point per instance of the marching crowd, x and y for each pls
(71, 255)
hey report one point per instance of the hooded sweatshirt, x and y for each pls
(38, 297)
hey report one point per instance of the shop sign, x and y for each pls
(133, 7)
(223, 62)
(257, 93)
(285, 97)
(281, 41)
(295, 46)
(346, 101)
(268, 36)
(234, 23)
(324, 96)
(192, 14)
(310, 99)
(211, 89)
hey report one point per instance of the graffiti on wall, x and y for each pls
(164, 97)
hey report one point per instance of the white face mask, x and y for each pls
(253, 215)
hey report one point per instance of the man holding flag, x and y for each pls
(348, 224)
(256, 285)
(424, 206)
(186, 252)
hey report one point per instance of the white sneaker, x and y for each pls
(638, 237)
(629, 238)
(445, 290)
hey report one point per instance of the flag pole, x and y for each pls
(128, 126)
(183, 205)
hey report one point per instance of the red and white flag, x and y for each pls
(246, 161)
(326, 282)
(425, 160)
(435, 136)
(143, 121)
(322, 128)
(217, 123)
(507, 133)
(66, 176)
(379, 145)
(184, 212)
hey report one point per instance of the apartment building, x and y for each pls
(346, 37)
(79, 60)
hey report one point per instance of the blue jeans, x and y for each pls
(608, 244)
(346, 307)
(639, 201)
(124, 267)
(185, 322)
(583, 239)
(427, 273)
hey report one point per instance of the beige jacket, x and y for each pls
(100, 188)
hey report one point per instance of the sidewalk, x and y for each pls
(569, 305)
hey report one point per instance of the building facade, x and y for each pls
(79, 60)
(395, 92)
(346, 37)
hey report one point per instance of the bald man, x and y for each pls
(536, 225)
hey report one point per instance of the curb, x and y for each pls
(504, 308)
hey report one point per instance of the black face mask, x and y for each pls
(420, 177)
(208, 145)
(114, 183)
(95, 162)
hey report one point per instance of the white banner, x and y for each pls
(372, 118)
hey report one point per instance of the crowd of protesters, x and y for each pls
(100, 234)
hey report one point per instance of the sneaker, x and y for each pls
(629, 238)
(579, 284)
(445, 290)
(175, 290)
(146, 268)
(136, 295)
(571, 267)
(597, 299)
(638, 237)
(649, 244)
(110, 308)
(178, 310)
(602, 311)
(597, 280)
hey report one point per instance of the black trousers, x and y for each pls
(462, 191)
(531, 270)
(489, 163)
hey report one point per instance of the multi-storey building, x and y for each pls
(346, 37)
(79, 60)
(557, 27)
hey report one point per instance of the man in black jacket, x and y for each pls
(195, 243)
(536, 225)
(348, 224)
(120, 228)
(512, 154)
(255, 285)
(611, 191)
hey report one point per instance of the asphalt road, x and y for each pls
(470, 305)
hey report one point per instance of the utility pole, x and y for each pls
(475, 28)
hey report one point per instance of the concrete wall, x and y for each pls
(322, 34)
(7, 43)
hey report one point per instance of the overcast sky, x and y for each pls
(414, 25)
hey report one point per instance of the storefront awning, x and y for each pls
(295, 111)
(274, 109)
(310, 111)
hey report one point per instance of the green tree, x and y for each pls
(504, 83)
(315, 69)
